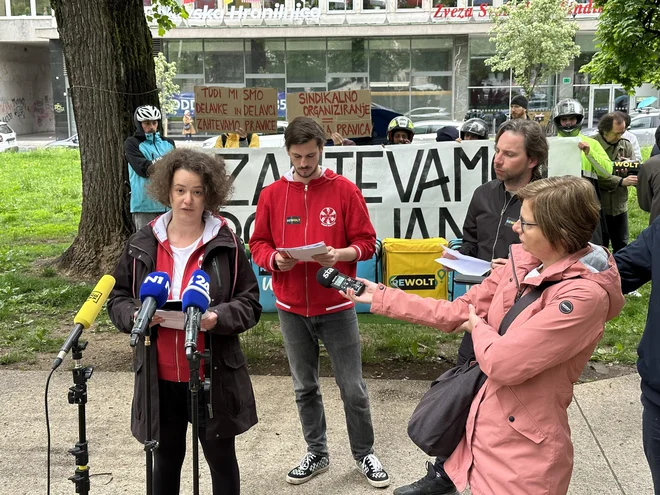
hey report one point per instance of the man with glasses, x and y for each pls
(613, 189)
(521, 153)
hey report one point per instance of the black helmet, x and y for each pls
(476, 127)
(567, 108)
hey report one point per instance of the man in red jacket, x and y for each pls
(307, 205)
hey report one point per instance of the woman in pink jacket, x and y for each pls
(517, 438)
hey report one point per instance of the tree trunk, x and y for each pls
(108, 52)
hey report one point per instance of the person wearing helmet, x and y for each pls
(400, 130)
(567, 118)
(474, 130)
(143, 149)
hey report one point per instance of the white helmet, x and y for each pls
(147, 112)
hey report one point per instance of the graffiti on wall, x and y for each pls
(40, 110)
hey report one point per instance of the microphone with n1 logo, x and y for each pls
(86, 316)
(330, 277)
(154, 292)
(195, 301)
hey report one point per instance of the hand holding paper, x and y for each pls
(467, 265)
(304, 253)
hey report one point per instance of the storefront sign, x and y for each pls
(219, 109)
(482, 12)
(411, 191)
(345, 112)
(208, 17)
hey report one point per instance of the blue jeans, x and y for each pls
(339, 333)
(651, 439)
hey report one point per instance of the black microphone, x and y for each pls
(154, 292)
(330, 277)
(86, 316)
(195, 301)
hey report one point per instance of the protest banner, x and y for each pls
(219, 109)
(345, 112)
(412, 191)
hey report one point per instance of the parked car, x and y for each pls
(643, 125)
(426, 113)
(7, 138)
(426, 130)
(265, 140)
(70, 142)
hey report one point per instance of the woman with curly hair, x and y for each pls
(191, 236)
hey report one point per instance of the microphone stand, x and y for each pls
(78, 395)
(194, 357)
(193, 384)
(149, 444)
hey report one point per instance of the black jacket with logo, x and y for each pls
(487, 230)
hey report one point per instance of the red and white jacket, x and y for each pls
(290, 214)
(172, 363)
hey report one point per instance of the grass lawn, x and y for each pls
(40, 197)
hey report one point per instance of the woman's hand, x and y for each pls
(366, 297)
(472, 321)
(156, 320)
(328, 259)
(210, 321)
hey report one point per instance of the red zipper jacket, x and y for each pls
(290, 214)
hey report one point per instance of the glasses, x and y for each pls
(524, 224)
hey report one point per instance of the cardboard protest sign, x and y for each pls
(345, 112)
(219, 109)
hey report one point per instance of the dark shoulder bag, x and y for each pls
(438, 422)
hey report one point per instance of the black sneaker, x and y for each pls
(310, 465)
(431, 484)
(373, 470)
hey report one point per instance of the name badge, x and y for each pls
(510, 221)
(293, 220)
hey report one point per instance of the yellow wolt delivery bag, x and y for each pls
(409, 264)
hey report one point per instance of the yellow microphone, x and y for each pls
(86, 316)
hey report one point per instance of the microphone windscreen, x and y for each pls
(90, 310)
(325, 275)
(156, 285)
(196, 294)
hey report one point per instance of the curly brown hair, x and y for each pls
(218, 185)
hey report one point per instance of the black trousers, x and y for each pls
(617, 231)
(651, 438)
(220, 453)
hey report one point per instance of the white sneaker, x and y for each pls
(310, 465)
(634, 294)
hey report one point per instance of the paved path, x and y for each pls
(275, 445)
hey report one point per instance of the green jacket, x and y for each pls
(614, 196)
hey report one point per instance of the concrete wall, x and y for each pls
(26, 93)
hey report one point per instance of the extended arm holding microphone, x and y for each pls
(153, 293)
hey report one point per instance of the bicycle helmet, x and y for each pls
(147, 112)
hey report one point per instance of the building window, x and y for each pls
(347, 55)
(374, 4)
(188, 56)
(200, 4)
(408, 4)
(223, 62)
(432, 54)
(265, 56)
(477, 3)
(340, 5)
(306, 61)
(43, 7)
(20, 7)
(444, 3)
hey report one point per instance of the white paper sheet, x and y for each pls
(305, 253)
(467, 265)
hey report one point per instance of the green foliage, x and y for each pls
(533, 39)
(164, 13)
(628, 36)
(39, 212)
(165, 73)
